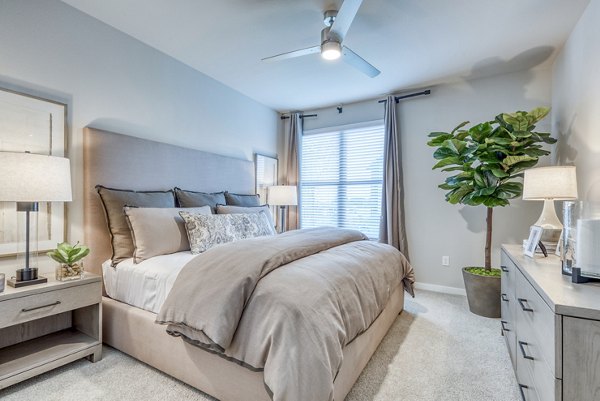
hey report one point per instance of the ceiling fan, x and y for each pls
(337, 24)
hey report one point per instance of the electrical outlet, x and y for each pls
(445, 260)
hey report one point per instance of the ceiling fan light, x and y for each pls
(331, 50)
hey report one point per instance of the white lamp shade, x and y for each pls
(28, 177)
(557, 182)
(282, 195)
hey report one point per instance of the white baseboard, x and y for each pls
(441, 288)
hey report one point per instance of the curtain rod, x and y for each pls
(398, 98)
(302, 116)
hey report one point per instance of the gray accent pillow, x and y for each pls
(158, 231)
(229, 209)
(204, 232)
(197, 199)
(241, 200)
(113, 201)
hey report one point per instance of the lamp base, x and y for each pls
(25, 277)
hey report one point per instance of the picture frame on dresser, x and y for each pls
(36, 125)
(535, 233)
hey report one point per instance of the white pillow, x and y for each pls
(204, 231)
(158, 231)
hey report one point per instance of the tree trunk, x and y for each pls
(488, 239)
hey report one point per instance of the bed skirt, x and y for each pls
(133, 331)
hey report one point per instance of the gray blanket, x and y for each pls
(287, 305)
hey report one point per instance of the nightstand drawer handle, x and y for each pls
(504, 298)
(521, 387)
(502, 323)
(522, 345)
(504, 269)
(522, 303)
(40, 307)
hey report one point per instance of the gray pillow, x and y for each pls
(113, 201)
(206, 231)
(198, 199)
(158, 231)
(241, 200)
(229, 209)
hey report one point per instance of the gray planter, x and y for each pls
(483, 294)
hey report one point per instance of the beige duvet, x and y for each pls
(287, 304)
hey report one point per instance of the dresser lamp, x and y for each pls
(550, 184)
(27, 179)
(282, 196)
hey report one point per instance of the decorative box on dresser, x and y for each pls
(551, 328)
(48, 325)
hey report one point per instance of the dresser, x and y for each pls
(48, 325)
(551, 328)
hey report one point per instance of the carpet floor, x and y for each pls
(435, 351)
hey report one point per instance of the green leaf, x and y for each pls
(437, 141)
(458, 194)
(459, 126)
(446, 162)
(498, 172)
(443, 152)
(522, 134)
(436, 134)
(511, 160)
(517, 121)
(537, 114)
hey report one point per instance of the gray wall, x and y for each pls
(114, 82)
(576, 102)
(436, 228)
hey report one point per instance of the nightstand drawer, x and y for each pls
(23, 309)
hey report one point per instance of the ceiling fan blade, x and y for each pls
(344, 18)
(295, 53)
(358, 62)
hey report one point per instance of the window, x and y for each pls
(341, 177)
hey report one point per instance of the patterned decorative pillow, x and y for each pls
(230, 209)
(206, 231)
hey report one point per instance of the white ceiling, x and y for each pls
(412, 42)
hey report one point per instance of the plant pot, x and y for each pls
(483, 294)
(65, 272)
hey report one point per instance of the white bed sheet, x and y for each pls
(146, 284)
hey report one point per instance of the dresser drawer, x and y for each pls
(546, 386)
(23, 309)
(526, 384)
(538, 324)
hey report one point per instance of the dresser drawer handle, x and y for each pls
(522, 345)
(504, 297)
(504, 269)
(522, 302)
(40, 307)
(521, 387)
(503, 322)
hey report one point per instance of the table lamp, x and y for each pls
(550, 184)
(282, 196)
(27, 179)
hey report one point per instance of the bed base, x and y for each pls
(133, 331)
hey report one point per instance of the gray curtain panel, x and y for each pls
(293, 166)
(392, 229)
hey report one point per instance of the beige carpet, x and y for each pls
(436, 350)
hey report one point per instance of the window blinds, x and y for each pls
(340, 179)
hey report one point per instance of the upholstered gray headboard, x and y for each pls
(125, 162)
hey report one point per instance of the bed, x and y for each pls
(122, 161)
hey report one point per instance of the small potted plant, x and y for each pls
(486, 163)
(69, 258)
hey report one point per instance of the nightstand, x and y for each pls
(49, 325)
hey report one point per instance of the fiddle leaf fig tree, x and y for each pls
(486, 161)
